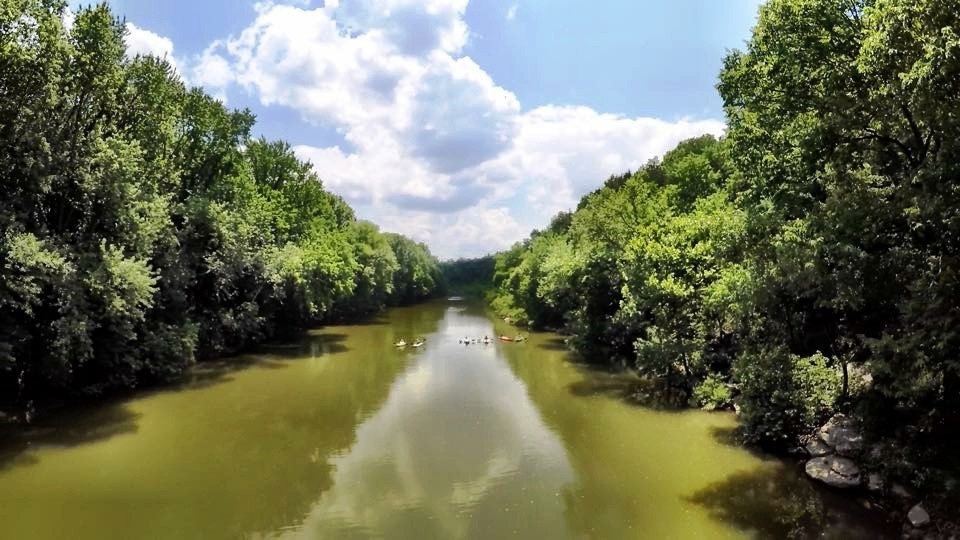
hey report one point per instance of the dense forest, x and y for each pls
(142, 227)
(471, 277)
(805, 264)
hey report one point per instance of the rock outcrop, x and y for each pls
(842, 434)
(830, 450)
(818, 448)
(918, 517)
(834, 471)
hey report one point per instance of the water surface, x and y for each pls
(344, 436)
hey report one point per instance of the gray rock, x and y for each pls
(818, 448)
(842, 434)
(900, 491)
(834, 471)
(845, 467)
(874, 482)
(918, 517)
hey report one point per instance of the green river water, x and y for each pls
(342, 435)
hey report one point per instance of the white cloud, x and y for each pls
(476, 230)
(438, 150)
(358, 69)
(144, 42)
(562, 153)
(68, 17)
(512, 12)
(213, 71)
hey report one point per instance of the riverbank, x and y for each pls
(131, 250)
(53, 405)
(837, 456)
(341, 432)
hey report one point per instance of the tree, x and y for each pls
(141, 228)
(843, 132)
(419, 276)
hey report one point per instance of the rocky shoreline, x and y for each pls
(835, 455)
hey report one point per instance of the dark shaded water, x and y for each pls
(344, 436)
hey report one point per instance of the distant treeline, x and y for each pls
(472, 277)
(141, 228)
(806, 263)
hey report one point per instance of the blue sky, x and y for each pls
(464, 124)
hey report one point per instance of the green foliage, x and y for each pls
(817, 241)
(785, 396)
(524, 291)
(419, 276)
(844, 135)
(471, 277)
(713, 393)
(376, 266)
(673, 272)
(142, 228)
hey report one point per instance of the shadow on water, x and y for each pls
(268, 356)
(731, 436)
(380, 319)
(777, 502)
(772, 503)
(627, 387)
(554, 344)
(89, 423)
(66, 429)
(727, 435)
(212, 373)
(844, 516)
(314, 344)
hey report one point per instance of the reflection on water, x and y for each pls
(343, 436)
(457, 451)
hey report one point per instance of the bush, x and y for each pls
(784, 395)
(713, 393)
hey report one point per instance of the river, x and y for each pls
(342, 435)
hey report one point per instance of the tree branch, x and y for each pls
(874, 135)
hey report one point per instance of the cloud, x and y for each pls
(463, 198)
(512, 12)
(460, 117)
(144, 42)
(437, 149)
(414, 27)
(68, 18)
(355, 67)
(562, 153)
(212, 71)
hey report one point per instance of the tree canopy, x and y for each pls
(806, 263)
(143, 228)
